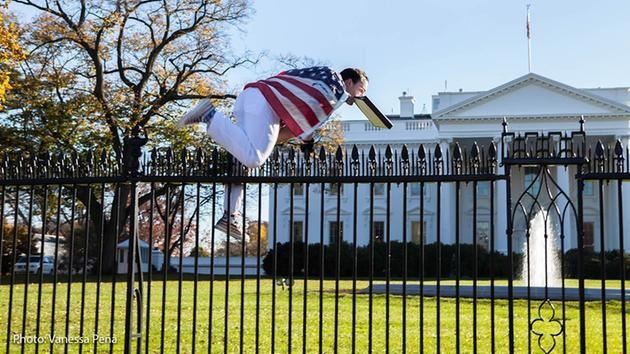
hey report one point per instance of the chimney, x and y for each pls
(406, 105)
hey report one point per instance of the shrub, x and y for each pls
(416, 261)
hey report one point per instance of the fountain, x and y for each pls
(542, 250)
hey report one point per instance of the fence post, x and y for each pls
(132, 152)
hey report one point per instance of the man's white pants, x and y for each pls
(251, 140)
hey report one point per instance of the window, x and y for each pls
(530, 175)
(483, 189)
(588, 188)
(333, 188)
(588, 230)
(483, 234)
(298, 231)
(414, 189)
(335, 228)
(435, 104)
(417, 232)
(379, 189)
(121, 256)
(378, 231)
(298, 189)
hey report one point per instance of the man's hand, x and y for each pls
(350, 100)
(307, 146)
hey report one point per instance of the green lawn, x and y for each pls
(200, 328)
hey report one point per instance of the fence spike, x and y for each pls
(322, 154)
(422, 154)
(354, 160)
(457, 153)
(619, 148)
(169, 156)
(388, 152)
(4, 167)
(355, 153)
(492, 151)
(339, 154)
(291, 154)
(103, 157)
(46, 163)
(474, 152)
(404, 154)
(215, 161)
(372, 154)
(75, 162)
(437, 154)
(599, 150)
(199, 159)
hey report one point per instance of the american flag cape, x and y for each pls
(303, 98)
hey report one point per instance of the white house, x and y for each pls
(530, 103)
(202, 266)
(122, 255)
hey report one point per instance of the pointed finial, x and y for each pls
(372, 153)
(388, 152)
(355, 153)
(422, 154)
(618, 148)
(404, 154)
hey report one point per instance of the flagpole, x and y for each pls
(529, 41)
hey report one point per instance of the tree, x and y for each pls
(98, 72)
(10, 52)
(170, 220)
(254, 239)
(329, 135)
(199, 252)
(15, 239)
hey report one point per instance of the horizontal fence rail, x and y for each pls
(513, 244)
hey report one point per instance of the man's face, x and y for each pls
(357, 89)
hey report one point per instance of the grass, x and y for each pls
(277, 317)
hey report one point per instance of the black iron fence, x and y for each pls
(507, 245)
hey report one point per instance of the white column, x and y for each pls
(612, 207)
(611, 216)
(625, 192)
(500, 198)
(566, 182)
(314, 214)
(447, 206)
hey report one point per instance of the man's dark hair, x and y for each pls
(353, 74)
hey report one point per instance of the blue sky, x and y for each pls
(415, 46)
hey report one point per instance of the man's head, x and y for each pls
(355, 80)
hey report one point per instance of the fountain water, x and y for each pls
(538, 275)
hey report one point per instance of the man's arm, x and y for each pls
(306, 144)
(284, 135)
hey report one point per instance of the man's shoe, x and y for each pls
(201, 113)
(232, 223)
